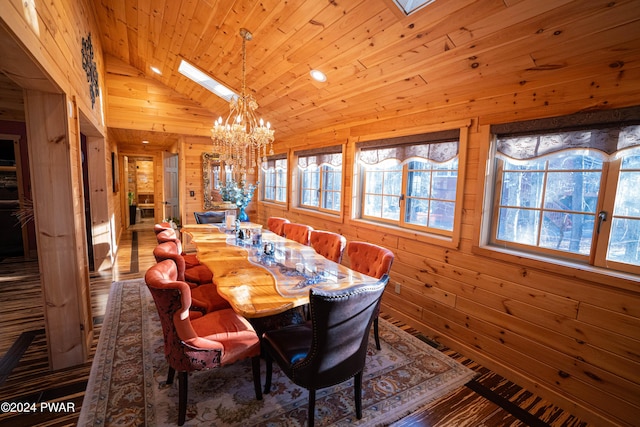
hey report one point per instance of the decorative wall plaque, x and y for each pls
(89, 67)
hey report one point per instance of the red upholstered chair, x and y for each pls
(170, 235)
(166, 235)
(374, 261)
(204, 295)
(275, 225)
(198, 273)
(329, 245)
(298, 232)
(216, 339)
(157, 228)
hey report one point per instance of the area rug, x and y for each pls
(126, 381)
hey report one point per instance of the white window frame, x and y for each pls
(596, 259)
(455, 130)
(322, 161)
(275, 165)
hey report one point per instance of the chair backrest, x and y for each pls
(209, 217)
(169, 250)
(182, 344)
(169, 236)
(297, 232)
(369, 259)
(157, 228)
(275, 224)
(341, 321)
(173, 299)
(329, 245)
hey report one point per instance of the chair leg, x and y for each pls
(267, 379)
(182, 397)
(255, 367)
(312, 406)
(357, 388)
(170, 375)
(375, 333)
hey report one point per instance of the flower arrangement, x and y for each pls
(241, 194)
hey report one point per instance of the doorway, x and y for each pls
(141, 188)
(87, 202)
(12, 243)
(171, 199)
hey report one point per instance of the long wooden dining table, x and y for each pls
(266, 276)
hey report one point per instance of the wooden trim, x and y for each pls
(61, 237)
(369, 132)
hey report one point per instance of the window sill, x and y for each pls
(561, 266)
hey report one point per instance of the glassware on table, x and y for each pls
(256, 236)
(229, 219)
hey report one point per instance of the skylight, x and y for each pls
(205, 81)
(410, 6)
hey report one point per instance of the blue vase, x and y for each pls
(242, 215)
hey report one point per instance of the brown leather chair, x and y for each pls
(329, 245)
(210, 217)
(216, 339)
(374, 261)
(275, 224)
(203, 293)
(331, 347)
(297, 232)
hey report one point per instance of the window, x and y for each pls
(573, 194)
(274, 178)
(412, 184)
(320, 180)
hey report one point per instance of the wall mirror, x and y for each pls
(210, 179)
(213, 174)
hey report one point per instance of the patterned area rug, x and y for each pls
(125, 385)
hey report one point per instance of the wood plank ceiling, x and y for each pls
(378, 62)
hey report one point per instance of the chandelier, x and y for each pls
(242, 139)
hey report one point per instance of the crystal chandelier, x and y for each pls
(242, 139)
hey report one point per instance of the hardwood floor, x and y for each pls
(490, 400)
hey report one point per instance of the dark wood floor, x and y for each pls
(490, 400)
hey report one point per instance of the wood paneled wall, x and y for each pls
(41, 44)
(566, 332)
(569, 333)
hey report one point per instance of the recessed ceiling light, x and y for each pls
(145, 141)
(318, 75)
(156, 70)
(205, 81)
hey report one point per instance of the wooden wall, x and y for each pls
(41, 46)
(571, 333)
